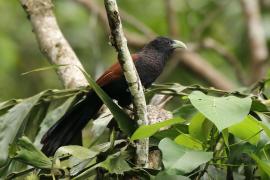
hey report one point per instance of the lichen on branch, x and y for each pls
(119, 41)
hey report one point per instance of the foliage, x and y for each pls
(213, 134)
(192, 146)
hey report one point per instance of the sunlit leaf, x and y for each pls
(116, 163)
(27, 153)
(54, 114)
(222, 111)
(12, 122)
(188, 141)
(177, 158)
(148, 130)
(264, 165)
(200, 127)
(247, 130)
(164, 175)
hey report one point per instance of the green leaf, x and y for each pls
(116, 163)
(99, 129)
(148, 130)
(163, 175)
(27, 153)
(222, 111)
(266, 128)
(225, 135)
(200, 127)
(54, 113)
(247, 130)
(126, 124)
(177, 158)
(188, 141)
(79, 158)
(35, 119)
(12, 122)
(263, 164)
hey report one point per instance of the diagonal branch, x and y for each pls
(52, 43)
(135, 87)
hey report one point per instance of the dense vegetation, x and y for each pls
(220, 128)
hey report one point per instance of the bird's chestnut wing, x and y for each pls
(113, 73)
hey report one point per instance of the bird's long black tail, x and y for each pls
(71, 124)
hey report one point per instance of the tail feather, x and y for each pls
(71, 124)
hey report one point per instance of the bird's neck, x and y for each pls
(150, 66)
(155, 57)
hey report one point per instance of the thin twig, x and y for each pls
(119, 41)
(52, 43)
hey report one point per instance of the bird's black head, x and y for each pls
(164, 45)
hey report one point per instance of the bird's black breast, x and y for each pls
(149, 68)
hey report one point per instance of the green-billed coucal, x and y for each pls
(149, 62)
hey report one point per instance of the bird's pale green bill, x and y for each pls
(178, 44)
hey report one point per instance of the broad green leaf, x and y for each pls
(78, 152)
(163, 175)
(126, 124)
(188, 141)
(27, 153)
(79, 158)
(266, 128)
(35, 119)
(148, 130)
(263, 164)
(222, 111)
(12, 122)
(186, 111)
(116, 163)
(177, 158)
(54, 113)
(200, 127)
(247, 130)
(97, 132)
(225, 135)
(9, 103)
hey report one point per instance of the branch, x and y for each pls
(257, 40)
(135, 87)
(52, 43)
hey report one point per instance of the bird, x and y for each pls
(149, 62)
